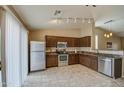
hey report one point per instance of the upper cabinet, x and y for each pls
(85, 41)
(51, 41)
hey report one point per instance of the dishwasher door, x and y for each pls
(105, 66)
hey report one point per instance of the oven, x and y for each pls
(62, 59)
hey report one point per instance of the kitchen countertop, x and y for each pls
(88, 53)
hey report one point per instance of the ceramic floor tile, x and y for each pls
(71, 76)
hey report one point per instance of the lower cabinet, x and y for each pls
(51, 61)
(94, 63)
(73, 59)
(89, 61)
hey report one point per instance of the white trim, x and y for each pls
(8, 10)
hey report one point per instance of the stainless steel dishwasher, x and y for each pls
(105, 66)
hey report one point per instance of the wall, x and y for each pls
(86, 30)
(40, 34)
(116, 41)
(0, 44)
(122, 43)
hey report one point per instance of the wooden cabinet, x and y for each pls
(76, 42)
(73, 59)
(72, 42)
(85, 41)
(94, 63)
(51, 61)
(51, 41)
(89, 61)
(84, 60)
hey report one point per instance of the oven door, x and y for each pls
(62, 59)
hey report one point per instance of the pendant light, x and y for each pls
(109, 34)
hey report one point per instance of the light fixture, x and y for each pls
(75, 20)
(105, 35)
(83, 20)
(89, 21)
(67, 20)
(110, 34)
(54, 21)
(71, 20)
(108, 26)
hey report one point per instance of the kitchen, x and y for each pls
(63, 51)
(85, 45)
(73, 45)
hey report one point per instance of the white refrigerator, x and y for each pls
(37, 56)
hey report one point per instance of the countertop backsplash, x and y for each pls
(87, 49)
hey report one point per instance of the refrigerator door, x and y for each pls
(37, 61)
(37, 46)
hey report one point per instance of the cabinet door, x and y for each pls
(73, 59)
(84, 60)
(87, 60)
(51, 41)
(88, 41)
(85, 41)
(77, 58)
(51, 61)
(94, 63)
(70, 41)
(76, 42)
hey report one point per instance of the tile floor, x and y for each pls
(71, 76)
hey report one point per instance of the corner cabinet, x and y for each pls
(85, 41)
(73, 59)
(89, 61)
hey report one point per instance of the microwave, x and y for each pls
(62, 45)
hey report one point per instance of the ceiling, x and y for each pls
(39, 16)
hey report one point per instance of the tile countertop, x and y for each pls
(88, 53)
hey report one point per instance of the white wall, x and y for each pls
(0, 44)
(39, 35)
(86, 30)
(116, 41)
(0, 78)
